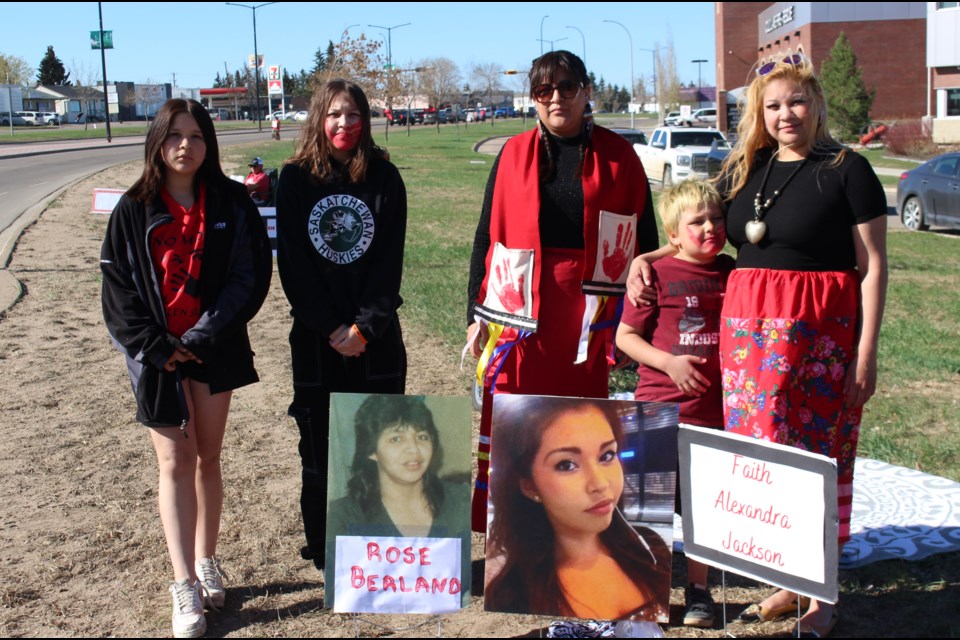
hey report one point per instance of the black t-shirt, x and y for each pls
(809, 225)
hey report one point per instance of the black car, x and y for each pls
(719, 150)
(397, 116)
(632, 135)
(930, 194)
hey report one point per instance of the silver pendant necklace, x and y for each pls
(757, 228)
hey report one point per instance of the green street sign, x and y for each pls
(107, 40)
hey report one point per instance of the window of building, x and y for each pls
(953, 102)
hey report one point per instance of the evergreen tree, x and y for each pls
(51, 71)
(848, 100)
(331, 54)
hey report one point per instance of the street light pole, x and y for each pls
(256, 54)
(630, 38)
(552, 41)
(653, 53)
(103, 61)
(584, 40)
(541, 33)
(699, 78)
(389, 31)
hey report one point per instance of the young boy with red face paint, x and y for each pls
(676, 340)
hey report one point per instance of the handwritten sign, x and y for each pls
(269, 216)
(762, 510)
(397, 575)
(104, 200)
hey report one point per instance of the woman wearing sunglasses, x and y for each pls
(802, 311)
(566, 207)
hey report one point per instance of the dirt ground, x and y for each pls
(81, 547)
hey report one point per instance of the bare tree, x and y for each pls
(149, 95)
(487, 78)
(439, 80)
(640, 94)
(668, 91)
(86, 81)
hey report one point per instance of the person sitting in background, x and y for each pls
(258, 182)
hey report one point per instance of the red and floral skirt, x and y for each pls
(544, 363)
(786, 340)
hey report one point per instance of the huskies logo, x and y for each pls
(341, 228)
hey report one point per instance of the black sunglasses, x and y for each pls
(567, 88)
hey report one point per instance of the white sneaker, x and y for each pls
(211, 579)
(188, 619)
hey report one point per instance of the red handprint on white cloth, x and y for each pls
(509, 293)
(615, 263)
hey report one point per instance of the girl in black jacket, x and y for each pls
(341, 221)
(186, 264)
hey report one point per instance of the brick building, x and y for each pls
(943, 58)
(889, 39)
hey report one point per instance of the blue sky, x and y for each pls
(193, 40)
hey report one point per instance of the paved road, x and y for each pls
(31, 172)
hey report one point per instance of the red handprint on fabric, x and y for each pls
(615, 263)
(509, 293)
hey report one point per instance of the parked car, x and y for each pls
(396, 116)
(702, 117)
(301, 116)
(17, 119)
(672, 119)
(505, 112)
(930, 194)
(428, 116)
(705, 116)
(675, 154)
(451, 114)
(50, 118)
(719, 150)
(276, 115)
(33, 117)
(632, 135)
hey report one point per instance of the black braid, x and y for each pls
(548, 171)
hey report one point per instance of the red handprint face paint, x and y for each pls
(343, 126)
(700, 235)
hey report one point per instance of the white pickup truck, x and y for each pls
(677, 153)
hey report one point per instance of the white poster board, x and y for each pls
(269, 215)
(105, 200)
(397, 575)
(761, 510)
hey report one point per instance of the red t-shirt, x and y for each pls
(262, 180)
(177, 251)
(684, 321)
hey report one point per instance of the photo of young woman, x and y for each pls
(558, 542)
(398, 482)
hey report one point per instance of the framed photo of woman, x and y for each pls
(398, 515)
(581, 507)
